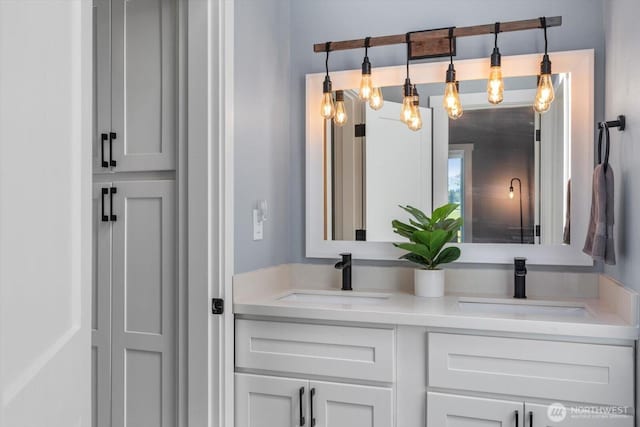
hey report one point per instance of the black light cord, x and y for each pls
(496, 31)
(543, 24)
(367, 42)
(408, 41)
(451, 44)
(327, 48)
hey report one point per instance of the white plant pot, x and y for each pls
(429, 283)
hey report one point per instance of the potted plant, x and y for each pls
(427, 248)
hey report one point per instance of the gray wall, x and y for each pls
(262, 143)
(315, 21)
(623, 88)
(273, 51)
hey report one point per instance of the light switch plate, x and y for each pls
(257, 225)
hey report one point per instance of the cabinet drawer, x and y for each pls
(546, 369)
(333, 351)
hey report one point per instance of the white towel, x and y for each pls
(599, 242)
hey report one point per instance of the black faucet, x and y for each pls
(345, 266)
(519, 277)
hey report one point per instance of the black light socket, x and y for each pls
(416, 99)
(451, 74)
(339, 95)
(366, 66)
(496, 58)
(326, 85)
(545, 65)
(408, 88)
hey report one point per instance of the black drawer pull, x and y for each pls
(112, 136)
(113, 191)
(312, 394)
(301, 413)
(103, 139)
(530, 418)
(517, 416)
(105, 218)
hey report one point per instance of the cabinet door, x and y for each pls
(101, 308)
(464, 411)
(144, 84)
(556, 415)
(144, 298)
(343, 405)
(101, 82)
(263, 401)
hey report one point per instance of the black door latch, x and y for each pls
(217, 306)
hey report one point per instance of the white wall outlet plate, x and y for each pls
(257, 225)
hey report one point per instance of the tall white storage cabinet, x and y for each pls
(135, 279)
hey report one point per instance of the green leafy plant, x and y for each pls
(428, 236)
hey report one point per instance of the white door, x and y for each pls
(557, 415)
(144, 304)
(144, 65)
(263, 401)
(395, 155)
(464, 411)
(45, 213)
(344, 405)
(101, 307)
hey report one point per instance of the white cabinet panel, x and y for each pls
(101, 82)
(144, 297)
(447, 410)
(263, 401)
(544, 369)
(144, 84)
(345, 405)
(563, 416)
(332, 351)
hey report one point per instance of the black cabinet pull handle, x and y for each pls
(312, 393)
(112, 136)
(105, 218)
(530, 418)
(103, 139)
(301, 413)
(113, 191)
(517, 416)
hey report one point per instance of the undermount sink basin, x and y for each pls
(531, 307)
(339, 297)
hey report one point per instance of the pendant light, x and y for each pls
(327, 107)
(545, 93)
(451, 101)
(407, 101)
(368, 91)
(415, 122)
(495, 84)
(340, 118)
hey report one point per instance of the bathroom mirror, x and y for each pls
(508, 167)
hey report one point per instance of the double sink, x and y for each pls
(465, 304)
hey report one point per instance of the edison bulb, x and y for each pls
(407, 109)
(545, 94)
(375, 100)
(511, 193)
(495, 85)
(366, 87)
(451, 101)
(327, 108)
(415, 122)
(340, 118)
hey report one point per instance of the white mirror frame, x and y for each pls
(580, 65)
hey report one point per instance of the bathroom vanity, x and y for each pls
(332, 358)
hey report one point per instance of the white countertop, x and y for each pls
(600, 322)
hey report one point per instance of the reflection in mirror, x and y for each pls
(508, 167)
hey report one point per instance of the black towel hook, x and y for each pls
(621, 123)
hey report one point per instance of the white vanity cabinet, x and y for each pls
(534, 374)
(349, 358)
